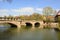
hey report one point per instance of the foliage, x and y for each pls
(34, 16)
(48, 11)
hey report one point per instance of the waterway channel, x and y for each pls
(7, 33)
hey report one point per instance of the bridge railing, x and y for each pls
(9, 19)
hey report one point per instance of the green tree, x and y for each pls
(47, 11)
(10, 17)
(22, 17)
(36, 16)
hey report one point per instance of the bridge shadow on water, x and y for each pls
(37, 25)
(12, 25)
(29, 25)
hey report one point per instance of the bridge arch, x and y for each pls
(37, 24)
(28, 24)
(12, 25)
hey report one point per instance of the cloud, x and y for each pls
(3, 14)
(4, 10)
(27, 10)
(39, 9)
(23, 11)
(20, 11)
(57, 10)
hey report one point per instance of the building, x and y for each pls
(57, 17)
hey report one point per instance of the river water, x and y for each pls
(7, 33)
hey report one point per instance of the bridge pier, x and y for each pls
(33, 26)
(18, 25)
(41, 24)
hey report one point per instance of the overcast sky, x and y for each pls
(26, 7)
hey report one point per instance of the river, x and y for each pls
(7, 33)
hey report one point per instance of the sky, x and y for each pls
(26, 7)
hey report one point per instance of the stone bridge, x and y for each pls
(25, 23)
(33, 24)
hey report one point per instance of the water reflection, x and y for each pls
(4, 27)
(27, 34)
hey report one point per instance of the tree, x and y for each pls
(22, 17)
(10, 17)
(47, 11)
(36, 16)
